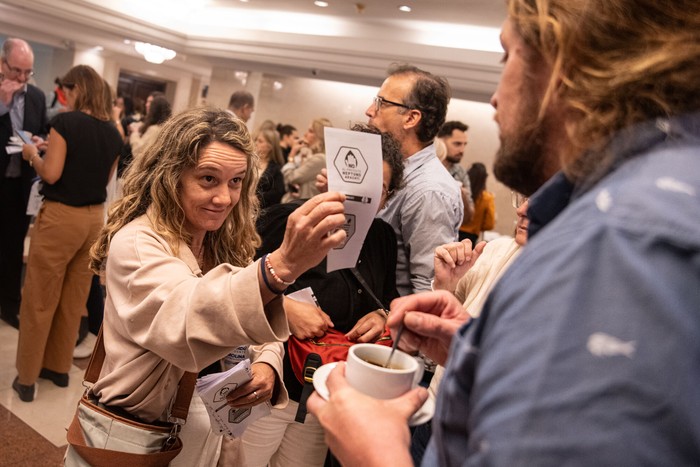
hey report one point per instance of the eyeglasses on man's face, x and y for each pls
(18, 71)
(379, 101)
(517, 199)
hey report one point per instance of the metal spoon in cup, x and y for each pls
(394, 345)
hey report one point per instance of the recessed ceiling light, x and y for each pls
(245, 1)
(321, 4)
(405, 8)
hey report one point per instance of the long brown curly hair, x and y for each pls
(152, 183)
(615, 63)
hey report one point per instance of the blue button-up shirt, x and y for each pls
(588, 350)
(425, 214)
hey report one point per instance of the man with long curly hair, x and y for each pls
(586, 352)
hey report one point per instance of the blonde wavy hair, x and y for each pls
(152, 183)
(615, 63)
(318, 125)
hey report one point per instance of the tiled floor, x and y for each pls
(33, 434)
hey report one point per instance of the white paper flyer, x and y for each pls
(354, 164)
(226, 420)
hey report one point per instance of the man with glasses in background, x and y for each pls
(411, 105)
(22, 107)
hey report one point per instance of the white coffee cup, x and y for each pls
(375, 380)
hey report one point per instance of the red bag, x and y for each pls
(333, 346)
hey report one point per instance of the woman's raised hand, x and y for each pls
(312, 230)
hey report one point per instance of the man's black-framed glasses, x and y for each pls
(379, 101)
(517, 199)
(18, 71)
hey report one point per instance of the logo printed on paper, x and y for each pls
(221, 394)
(350, 164)
(349, 228)
(238, 415)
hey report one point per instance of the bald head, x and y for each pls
(17, 60)
(12, 45)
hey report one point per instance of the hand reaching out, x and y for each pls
(368, 328)
(430, 320)
(312, 230)
(306, 320)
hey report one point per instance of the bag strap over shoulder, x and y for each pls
(181, 406)
(368, 289)
(92, 373)
(312, 363)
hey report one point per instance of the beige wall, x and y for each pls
(482, 147)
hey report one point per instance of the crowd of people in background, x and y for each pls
(576, 314)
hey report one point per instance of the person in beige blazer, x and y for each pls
(182, 291)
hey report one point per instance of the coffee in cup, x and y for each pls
(365, 371)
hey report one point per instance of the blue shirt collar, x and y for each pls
(556, 194)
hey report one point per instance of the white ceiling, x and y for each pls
(454, 38)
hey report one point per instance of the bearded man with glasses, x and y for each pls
(22, 107)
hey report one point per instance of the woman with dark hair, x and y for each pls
(80, 157)
(484, 216)
(288, 136)
(158, 112)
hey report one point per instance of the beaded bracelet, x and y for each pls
(277, 278)
(264, 276)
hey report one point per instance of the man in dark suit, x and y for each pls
(22, 107)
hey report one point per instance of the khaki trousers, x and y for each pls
(56, 287)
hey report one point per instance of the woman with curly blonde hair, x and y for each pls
(182, 292)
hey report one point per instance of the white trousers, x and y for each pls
(201, 446)
(277, 440)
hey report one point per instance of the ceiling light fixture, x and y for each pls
(321, 4)
(405, 8)
(154, 53)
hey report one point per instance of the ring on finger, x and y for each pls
(255, 394)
